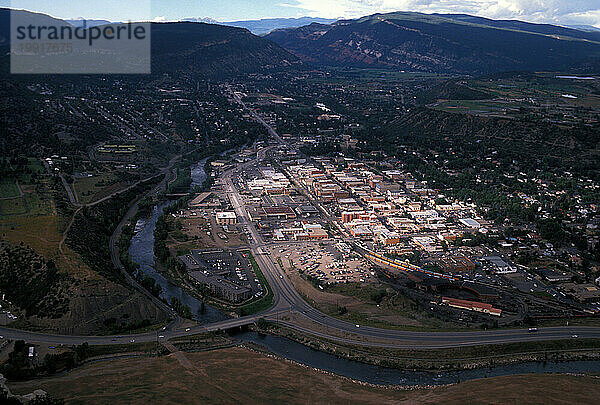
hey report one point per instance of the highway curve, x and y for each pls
(287, 300)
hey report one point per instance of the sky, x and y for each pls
(562, 12)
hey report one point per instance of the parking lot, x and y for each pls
(324, 262)
(232, 265)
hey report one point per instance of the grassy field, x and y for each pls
(345, 74)
(507, 96)
(90, 189)
(38, 205)
(237, 375)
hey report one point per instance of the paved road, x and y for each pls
(74, 202)
(287, 299)
(114, 247)
(395, 339)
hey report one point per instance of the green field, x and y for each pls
(261, 304)
(38, 205)
(516, 95)
(344, 74)
(89, 189)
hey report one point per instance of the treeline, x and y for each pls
(16, 167)
(182, 309)
(183, 181)
(468, 156)
(20, 367)
(533, 145)
(92, 228)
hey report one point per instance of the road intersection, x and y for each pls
(287, 300)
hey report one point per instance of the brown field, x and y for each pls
(237, 375)
(195, 228)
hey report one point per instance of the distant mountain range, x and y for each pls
(440, 43)
(88, 23)
(266, 25)
(445, 43)
(257, 27)
(589, 28)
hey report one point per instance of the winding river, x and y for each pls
(141, 251)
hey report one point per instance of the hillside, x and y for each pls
(214, 50)
(533, 144)
(215, 376)
(208, 50)
(23, 16)
(437, 43)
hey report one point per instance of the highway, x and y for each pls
(287, 300)
(114, 243)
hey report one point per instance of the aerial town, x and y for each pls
(383, 207)
(337, 219)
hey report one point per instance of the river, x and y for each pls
(141, 251)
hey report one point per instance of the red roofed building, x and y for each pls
(472, 306)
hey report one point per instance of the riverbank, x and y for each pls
(142, 251)
(147, 255)
(454, 359)
(225, 376)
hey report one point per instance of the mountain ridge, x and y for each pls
(454, 43)
(210, 50)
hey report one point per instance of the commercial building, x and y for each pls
(306, 210)
(456, 264)
(472, 306)
(470, 223)
(582, 292)
(226, 218)
(500, 266)
(349, 216)
(554, 276)
(304, 233)
(282, 212)
(222, 288)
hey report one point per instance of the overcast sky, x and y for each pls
(544, 11)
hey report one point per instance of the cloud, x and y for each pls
(541, 11)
